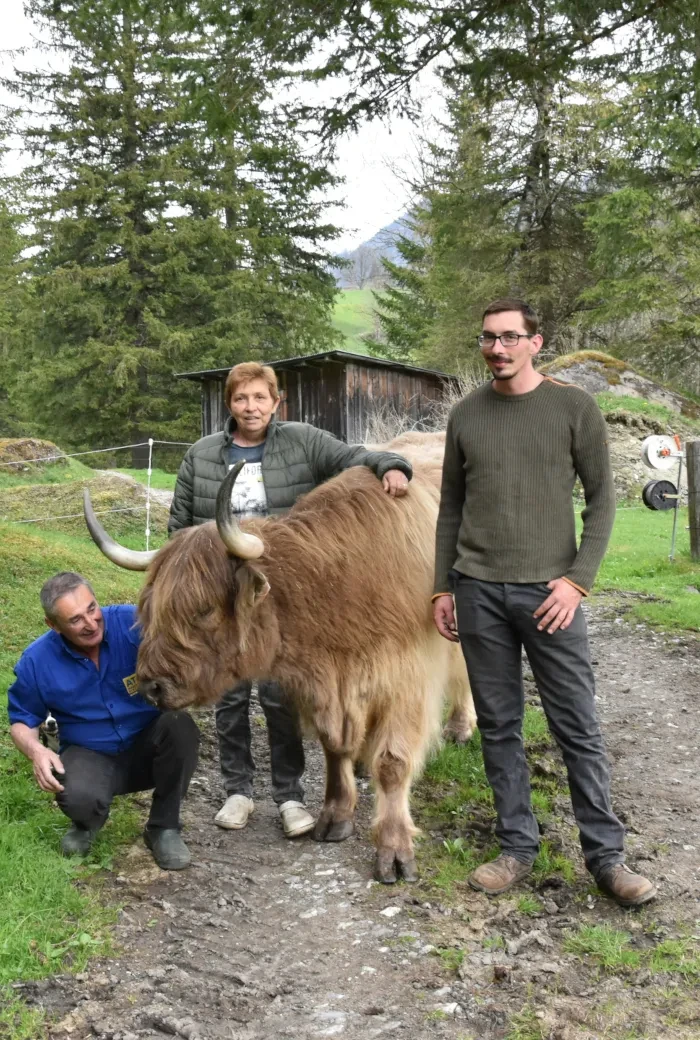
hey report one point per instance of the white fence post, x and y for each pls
(148, 492)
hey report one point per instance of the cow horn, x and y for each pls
(128, 558)
(238, 543)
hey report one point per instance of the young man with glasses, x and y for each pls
(507, 560)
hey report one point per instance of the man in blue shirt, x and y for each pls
(112, 741)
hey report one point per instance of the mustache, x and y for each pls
(497, 357)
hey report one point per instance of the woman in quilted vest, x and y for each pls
(282, 461)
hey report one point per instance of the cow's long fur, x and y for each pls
(426, 452)
(337, 609)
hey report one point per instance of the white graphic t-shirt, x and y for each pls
(248, 497)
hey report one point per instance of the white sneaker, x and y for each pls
(234, 813)
(296, 819)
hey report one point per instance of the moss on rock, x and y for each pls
(581, 357)
(21, 451)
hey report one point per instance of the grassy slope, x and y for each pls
(76, 470)
(353, 317)
(683, 425)
(56, 474)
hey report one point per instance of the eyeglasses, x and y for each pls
(508, 339)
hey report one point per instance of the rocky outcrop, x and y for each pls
(601, 373)
(19, 454)
(629, 424)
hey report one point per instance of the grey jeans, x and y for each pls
(286, 747)
(495, 622)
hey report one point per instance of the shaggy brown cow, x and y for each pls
(425, 452)
(333, 601)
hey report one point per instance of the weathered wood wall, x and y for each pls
(368, 388)
(313, 394)
(337, 397)
(214, 411)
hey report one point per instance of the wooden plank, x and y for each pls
(354, 413)
(692, 449)
(331, 398)
(384, 383)
(342, 403)
(204, 422)
(282, 386)
(214, 410)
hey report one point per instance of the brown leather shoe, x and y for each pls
(626, 887)
(499, 875)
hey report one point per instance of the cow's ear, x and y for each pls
(252, 588)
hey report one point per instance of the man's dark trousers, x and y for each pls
(163, 756)
(286, 747)
(495, 622)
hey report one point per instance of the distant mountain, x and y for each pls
(365, 260)
(384, 242)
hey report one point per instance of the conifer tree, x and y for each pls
(174, 220)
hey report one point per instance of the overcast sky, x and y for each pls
(371, 161)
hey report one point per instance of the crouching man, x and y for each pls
(112, 741)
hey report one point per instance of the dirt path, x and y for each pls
(264, 937)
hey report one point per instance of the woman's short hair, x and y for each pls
(244, 373)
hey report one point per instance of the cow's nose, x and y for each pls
(152, 691)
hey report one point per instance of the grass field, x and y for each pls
(159, 478)
(637, 562)
(353, 316)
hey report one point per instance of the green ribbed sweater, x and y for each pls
(506, 507)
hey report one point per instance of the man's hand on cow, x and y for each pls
(44, 760)
(444, 617)
(558, 610)
(395, 483)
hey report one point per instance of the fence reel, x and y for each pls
(663, 453)
(660, 452)
(660, 494)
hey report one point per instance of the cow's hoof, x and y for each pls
(385, 867)
(327, 830)
(460, 737)
(409, 870)
(389, 866)
(453, 738)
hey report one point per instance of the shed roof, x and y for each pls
(328, 355)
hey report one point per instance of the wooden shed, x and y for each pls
(336, 391)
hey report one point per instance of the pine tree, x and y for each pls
(503, 207)
(645, 302)
(404, 307)
(160, 243)
(15, 297)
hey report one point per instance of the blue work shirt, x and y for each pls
(96, 709)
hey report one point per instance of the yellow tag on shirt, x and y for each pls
(131, 683)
